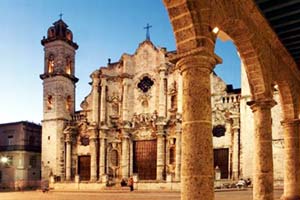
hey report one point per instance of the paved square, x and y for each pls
(122, 195)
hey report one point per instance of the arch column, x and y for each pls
(263, 155)
(291, 160)
(197, 172)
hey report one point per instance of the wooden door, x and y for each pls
(144, 159)
(84, 168)
(221, 160)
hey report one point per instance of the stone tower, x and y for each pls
(58, 96)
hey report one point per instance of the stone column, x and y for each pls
(263, 154)
(102, 152)
(160, 164)
(162, 109)
(95, 99)
(235, 152)
(93, 152)
(178, 152)
(103, 101)
(197, 172)
(291, 160)
(68, 156)
(125, 155)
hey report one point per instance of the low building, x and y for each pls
(20, 152)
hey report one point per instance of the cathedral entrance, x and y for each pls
(221, 160)
(84, 167)
(144, 159)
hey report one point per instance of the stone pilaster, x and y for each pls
(197, 173)
(161, 146)
(263, 154)
(95, 94)
(291, 160)
(93, 151)
(102, 152)
(162, 110)
(235, 147)
(103, 101)
(178, 152)
(125, 98)
(68, 141)
(125, 155)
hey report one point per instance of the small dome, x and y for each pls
(59, 31)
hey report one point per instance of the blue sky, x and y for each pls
(102, 29)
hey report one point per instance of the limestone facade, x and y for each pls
(133, 117)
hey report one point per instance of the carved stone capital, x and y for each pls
(261, 104)
(290, 122)
(199, 58)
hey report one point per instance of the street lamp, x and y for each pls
(4, 159)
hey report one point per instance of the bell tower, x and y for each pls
(58, 96)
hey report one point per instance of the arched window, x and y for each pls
(50, 64)
(68, 66)
(68, 103)
(49, 102)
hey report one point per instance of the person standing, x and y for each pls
(130, 183)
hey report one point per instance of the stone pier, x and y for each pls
(197, 172)
(291, 161)
(263, 154)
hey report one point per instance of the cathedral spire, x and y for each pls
(148, 32)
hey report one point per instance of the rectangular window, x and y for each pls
(0, 176)
(32, 161)
(10, 139)
(31, 140)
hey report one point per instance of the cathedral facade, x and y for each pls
(130, 122)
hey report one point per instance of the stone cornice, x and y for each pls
(50, 75)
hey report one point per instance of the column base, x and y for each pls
(289, 197)
(93, 179)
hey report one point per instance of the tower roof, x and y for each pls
(59, 31)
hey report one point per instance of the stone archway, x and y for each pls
(193, 22)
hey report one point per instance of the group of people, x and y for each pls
(243, 183)
(128, 183)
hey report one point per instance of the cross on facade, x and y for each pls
(148, 32)
(60, 15)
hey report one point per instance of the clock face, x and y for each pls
(84, 140)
